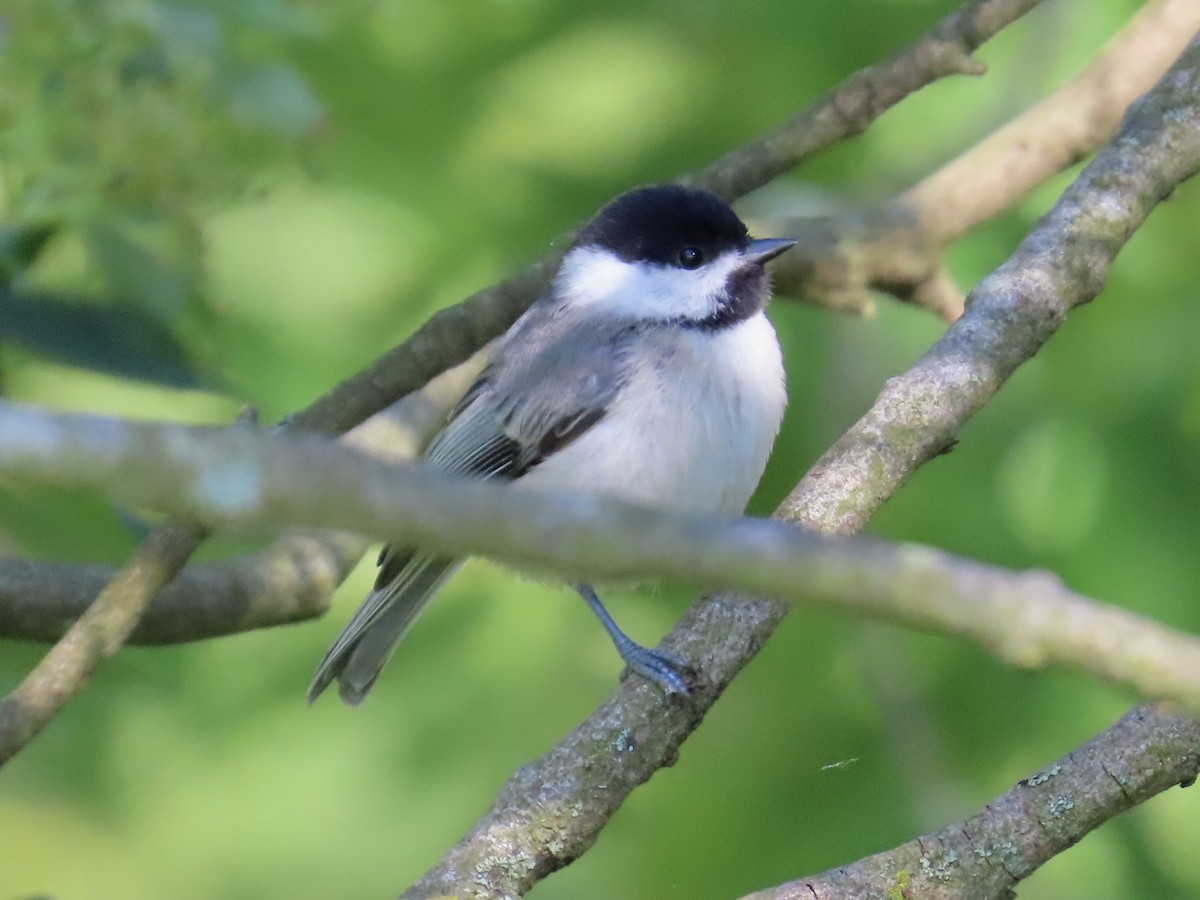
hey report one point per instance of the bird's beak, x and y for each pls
(767, 249)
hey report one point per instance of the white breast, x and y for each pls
(691, 430)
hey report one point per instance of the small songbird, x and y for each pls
(647, 371)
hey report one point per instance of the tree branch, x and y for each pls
(290, 581)
(1056, 133)
(862, 98)
(122, 603)
(237, 479)
(1061, 264)
(98, 633)
(897, 248)
(40, 600)
(1150, 750)
(458, 331)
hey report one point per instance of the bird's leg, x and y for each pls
(667, 671)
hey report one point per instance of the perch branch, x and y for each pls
(235, 479)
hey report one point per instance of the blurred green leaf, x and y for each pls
(115, 340)
(141, 276)
(20, 246)
(274, 98)
(188, 31)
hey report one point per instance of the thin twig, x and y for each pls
(458, 331)
(99, 633)
(861, 99)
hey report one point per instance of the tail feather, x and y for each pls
(368, 641)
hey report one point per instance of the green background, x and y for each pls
(289, 191)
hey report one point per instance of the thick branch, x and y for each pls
(552, 810)
(122, 603)
(236, 478)
(41, 600)
(1150, 750)
(1061, 264)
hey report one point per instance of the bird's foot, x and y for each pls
(667, 670)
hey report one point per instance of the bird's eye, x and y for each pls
(691, 257)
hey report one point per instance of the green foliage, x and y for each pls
(284, 191)
(118, 340)
(123, 124)
(147, 107)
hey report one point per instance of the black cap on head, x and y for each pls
(657, 224)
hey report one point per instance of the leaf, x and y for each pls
(275, 98)
(115, 340)
(20, 246)
(142, 275)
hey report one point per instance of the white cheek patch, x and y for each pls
(587, 276)
(591, 277)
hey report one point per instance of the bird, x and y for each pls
(647, 371)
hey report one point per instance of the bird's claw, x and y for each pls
(667, 670)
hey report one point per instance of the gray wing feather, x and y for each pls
(540, 391)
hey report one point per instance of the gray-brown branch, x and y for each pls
(838, 261)
(238, 479)
(120, 606)
(455, 333)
